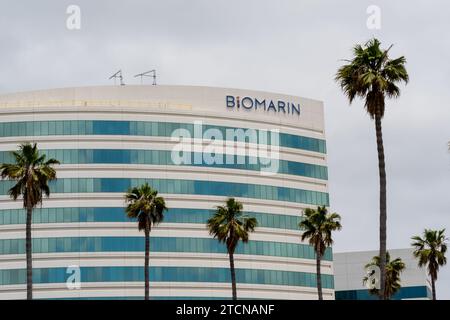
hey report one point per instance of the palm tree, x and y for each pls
(393, 270)
(373, 76)
(430, 250)
(32, 172)
(318, 226)
(147, 208)
(229, 225)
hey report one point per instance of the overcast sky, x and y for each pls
(291, 47)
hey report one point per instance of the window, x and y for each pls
(74, 185)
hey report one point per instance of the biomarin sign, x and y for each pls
(250, 103)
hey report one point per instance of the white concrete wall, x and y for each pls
(349, 269)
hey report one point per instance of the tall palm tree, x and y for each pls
(373, 76)
(318, 226)
(393, 270)
(430, 250)
(147, 208)
(229, 225)
(31, 172)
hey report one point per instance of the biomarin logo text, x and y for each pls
(267, 105)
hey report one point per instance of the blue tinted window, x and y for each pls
(73, 185)
(164, 274)
(157, 244)
(106, 127)
(413, 292)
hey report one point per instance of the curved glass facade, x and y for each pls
(173, 186)
(157, 244)
(164, 274)
(106, 151)
(116, 214)
(162, 157)
(135, 128)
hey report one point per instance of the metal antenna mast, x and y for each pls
(151, 73)
(116, 75)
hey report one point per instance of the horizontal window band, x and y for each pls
(144, 128)
(167, 274)
(117, 214)
(159, 244)
(178, 186)
(142, 298)
(164, 157)
(406, 292)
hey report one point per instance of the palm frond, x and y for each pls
(31, 173)
(372, 76)
(317, 226)
(145, 206)
(430, 250)
(229, 225)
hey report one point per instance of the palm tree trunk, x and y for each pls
(383, 212)
(233, 275)
(29, 249)
(433, 288)
(319, 276)
(146, 263)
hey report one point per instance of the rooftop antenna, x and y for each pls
(147, 74)
(116, 75)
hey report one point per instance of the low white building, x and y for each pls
(349, 272)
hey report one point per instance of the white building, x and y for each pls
(349, 272)
(113, 137)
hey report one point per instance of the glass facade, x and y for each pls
(116, 214)
(162, 157)
(135, 128)
(175, 186)
(167, 274)
(415, 292)
(151, 298)
(157, 244)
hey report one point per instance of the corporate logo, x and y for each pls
(249, 103)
